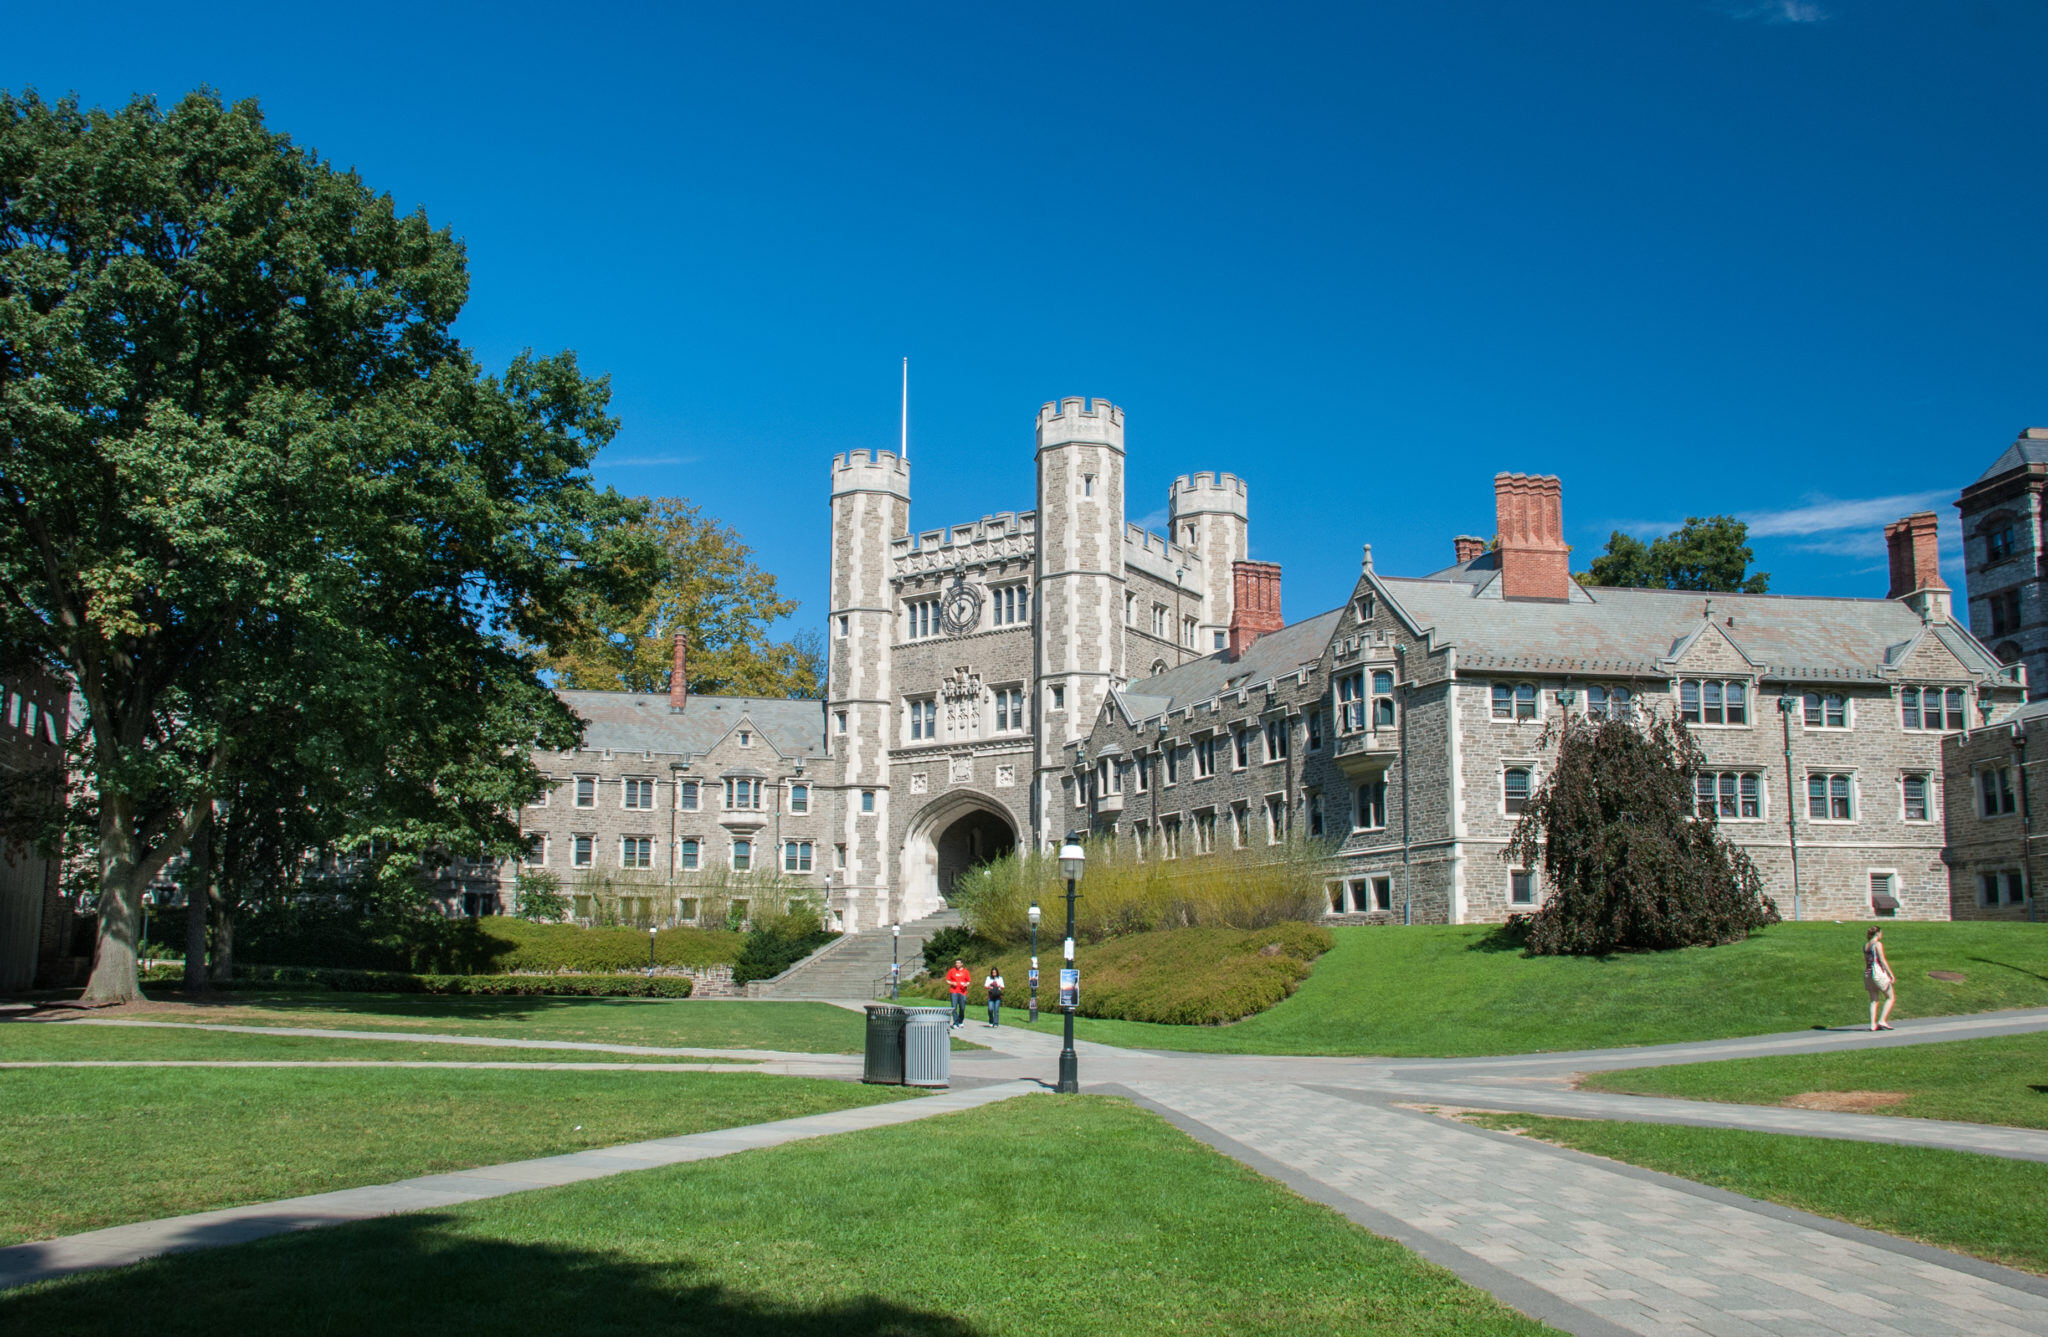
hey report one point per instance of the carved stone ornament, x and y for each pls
(961, 609)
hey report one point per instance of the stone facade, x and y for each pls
(2005, 554)
(1993, 775)
(1416, 724)
(36, 922)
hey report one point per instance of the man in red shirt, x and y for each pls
(957, 980)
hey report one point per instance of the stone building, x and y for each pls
(963, 662)
(36, 921)
(1408, 726)
(2005, 554)
(1993, 775)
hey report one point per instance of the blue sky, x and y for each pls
(1781, 259)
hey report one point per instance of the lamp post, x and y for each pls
(895, 968)
(651, 930)
(1072, 859)
(1032, 914)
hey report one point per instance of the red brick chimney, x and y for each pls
(679, 676)
(1255, 603)
(1915, 547)
(1468, 546)
(1535, 561)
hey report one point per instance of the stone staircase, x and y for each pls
(849, 968)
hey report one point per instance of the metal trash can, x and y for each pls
(883, 1065)
(928, 1046)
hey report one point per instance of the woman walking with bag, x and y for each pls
(1877, 978)
(994, 987)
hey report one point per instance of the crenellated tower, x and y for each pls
(1210, 514)
(870, 508)
(1080, 578)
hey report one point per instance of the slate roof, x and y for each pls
(2027, 450)
(1629, 631)
(1274, 655)
(641, 722)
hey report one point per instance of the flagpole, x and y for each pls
(904, 447)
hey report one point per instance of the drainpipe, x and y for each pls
(1786, 705)
(2019, 740)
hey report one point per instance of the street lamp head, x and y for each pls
(652, 930)
(1072, 857)
(1033, 914)
(895, 930)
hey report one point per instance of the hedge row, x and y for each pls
(393, 981)
(335, 937)
(1181, 977)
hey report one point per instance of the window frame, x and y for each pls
(629, 789)
(1717, 694)
(633, 857)
(740, 856)
(1829, 796)
(2005, 802)
(1516, 696)
(583, 850)
(1814, 712)
(1361, 811)
(1930, 808)
(596, 784)
(1526, 769)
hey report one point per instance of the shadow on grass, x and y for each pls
(426, 1273)
(1502, 938)
(2007, 965)
(453, 1006)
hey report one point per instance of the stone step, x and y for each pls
(851, 967)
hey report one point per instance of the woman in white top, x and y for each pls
(993, 986)
(1877, 978)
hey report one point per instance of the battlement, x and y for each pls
(871, 471)
(1075, 420)
(1004, 536)
(1138, 539)
(1194, 494)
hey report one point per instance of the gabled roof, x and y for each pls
(1274, 655)
(1628, 631)
(641, 722)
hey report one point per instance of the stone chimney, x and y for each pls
(1468, 546)
(1915, 548)
(1255, 603)
(1535, 561)
(679, 676)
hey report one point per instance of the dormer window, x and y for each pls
(1713, 701)
(746, 738)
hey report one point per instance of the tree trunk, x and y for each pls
(122, 882)
(223, 943)
(199, 882)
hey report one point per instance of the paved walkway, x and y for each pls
(1588, 1245)
(23, 1263)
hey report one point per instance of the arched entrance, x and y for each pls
(954, 834)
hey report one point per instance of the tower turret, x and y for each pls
(1210, 513)
(870, 507)
(1080, 581)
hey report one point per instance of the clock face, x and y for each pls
(962, 609)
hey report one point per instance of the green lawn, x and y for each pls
(1042, 1214)
(1981, 1205)
(2000, 1079)
(94, 1147)
(811, 1028)
(1454, 992)
(24, 1041)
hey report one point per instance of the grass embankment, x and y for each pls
(1189, 976)
(86, 1148)
(2000, 1079)
(73, 1042)
(1077, 1214)
(810, 1028)
(1981, 1205)
(1460, 990)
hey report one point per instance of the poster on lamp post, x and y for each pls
(1070, 988)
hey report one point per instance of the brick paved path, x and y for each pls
(1586, 1244)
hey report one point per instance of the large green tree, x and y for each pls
(1705, 553)
(260, 506)
(708, 587)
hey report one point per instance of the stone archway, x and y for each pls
(953, 834)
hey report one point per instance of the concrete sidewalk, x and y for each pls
(118, 1245)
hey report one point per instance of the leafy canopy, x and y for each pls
(260, 506)
(1627, 863)
(1705, 553)
(706, 585)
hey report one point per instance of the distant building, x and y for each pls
(36, 922)
(2005, 554)
(1408, 726)
(1993, 776)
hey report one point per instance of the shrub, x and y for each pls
(1629, 865)
(956, 944)
(778, 944)
(1180, 977)
(1122, 893)
(391, 981)
(537, 896)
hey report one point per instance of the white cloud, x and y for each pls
(1822, 515)
(1156, 521)
(1776, 11)
(643, 461)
